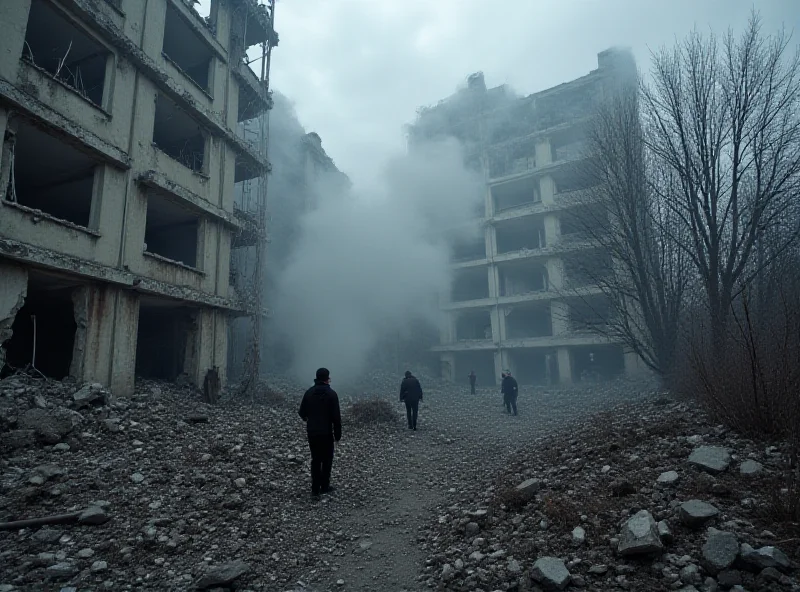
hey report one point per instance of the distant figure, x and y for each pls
(411, 394)
(509, 388)
(320, 411)
(472, 379)
(212, 386)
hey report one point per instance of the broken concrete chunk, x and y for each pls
(93, 515)
(695, 513)
(719, 551)
(712, 459)
(664, 532)
(50, 426)
(89, 395)
(551, 573)
(529, 487)
(750, 468)
(223, 575)
(668, 478)
(764, 557)
(640, 535)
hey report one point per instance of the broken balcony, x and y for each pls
(528, 321)
(516, 193)
(187, 50)
(171, 231)
(179, 136)
(470, 284)
(64, 50)
(49, 175)
(522, 278)
(519, 234)
(473, 326)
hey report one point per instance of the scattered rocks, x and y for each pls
(695, 513)
(712, 459)
(764, 557)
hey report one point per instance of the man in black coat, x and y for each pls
(509, 388)
(473, 378)
(411, 393)
(320, 411)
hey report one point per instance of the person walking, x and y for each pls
(509, 388)
(320, 410)
(472, 380)
(411, 394)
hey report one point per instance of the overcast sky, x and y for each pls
(357, 70)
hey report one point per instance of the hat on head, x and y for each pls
(323, 374)
(408, 373)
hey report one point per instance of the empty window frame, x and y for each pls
(57, 45)
(178, 135)
(515, 194)
(529, 322)
(187, 49)
(518, 280)
(50, 175)
(473, 325)
(470, 284)
(171, 231)
(520, 234)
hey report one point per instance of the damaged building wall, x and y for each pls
(527, 149)
(81, 161)
(13, 289)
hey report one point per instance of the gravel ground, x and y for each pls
(190, 488)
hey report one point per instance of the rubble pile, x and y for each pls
(649, 497)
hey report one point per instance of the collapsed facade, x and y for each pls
(119, 158)
(520, 297)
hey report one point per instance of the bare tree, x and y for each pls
(725, 120)
(639, 272)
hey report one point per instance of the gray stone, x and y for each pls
(529, 487)
(578, 535)
(61, 447)
(729, 578)
(90, 394)
(598, 570)
(99, 566)
(50, 426)
(47, 472)
(61, 571)
(719, 551)
(551, 573)
(93, 515)
(690, 574)
(664, 532)
(695, 513)
(137, 477)
(47, 535)
(712, 459)
(86, 553)
(750, 468)
(639, 535)
(668, 478)
(514, 566)
(764, 557)
(223, 575)
(472, 529)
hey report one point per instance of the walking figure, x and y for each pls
(509, 389)
(411, 394)
(320, 410)
(472, 379)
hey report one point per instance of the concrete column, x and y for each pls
(489, 202)
(498, 327)
(544, 155)
(547, 189)
(447, 365)
(552, 229)
(13, 289)
(499, 360)
(491, 241)
(555, 273)
(559, 317)
(564, 366)
(14, 16)
(494, 281)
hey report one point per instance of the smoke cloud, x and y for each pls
(367, 265)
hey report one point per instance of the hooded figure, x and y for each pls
(320, 410)
(411, 394)
(509, 389)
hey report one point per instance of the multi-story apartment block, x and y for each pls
(520, 297)
(117, 171)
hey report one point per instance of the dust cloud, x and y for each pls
(366, 265)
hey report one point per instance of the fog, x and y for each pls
(366, 265)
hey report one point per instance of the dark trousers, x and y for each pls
(321, 462)
(511, 403)
(472, 387)
(412, 409)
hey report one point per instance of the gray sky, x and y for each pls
(358, 69)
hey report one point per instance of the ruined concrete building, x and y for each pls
(520, 298)
(119, 158)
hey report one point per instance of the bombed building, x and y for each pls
(520, 298)
(121, 149)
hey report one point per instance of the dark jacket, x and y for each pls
(472, 377)
(320, 411)
(509, 386)
(410, 390)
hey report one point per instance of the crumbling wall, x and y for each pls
(13, 289)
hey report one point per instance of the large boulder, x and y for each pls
(50, 426)
(719, 551)
(695, 513)
(712, 459)
(640, 535)
(550, 573)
